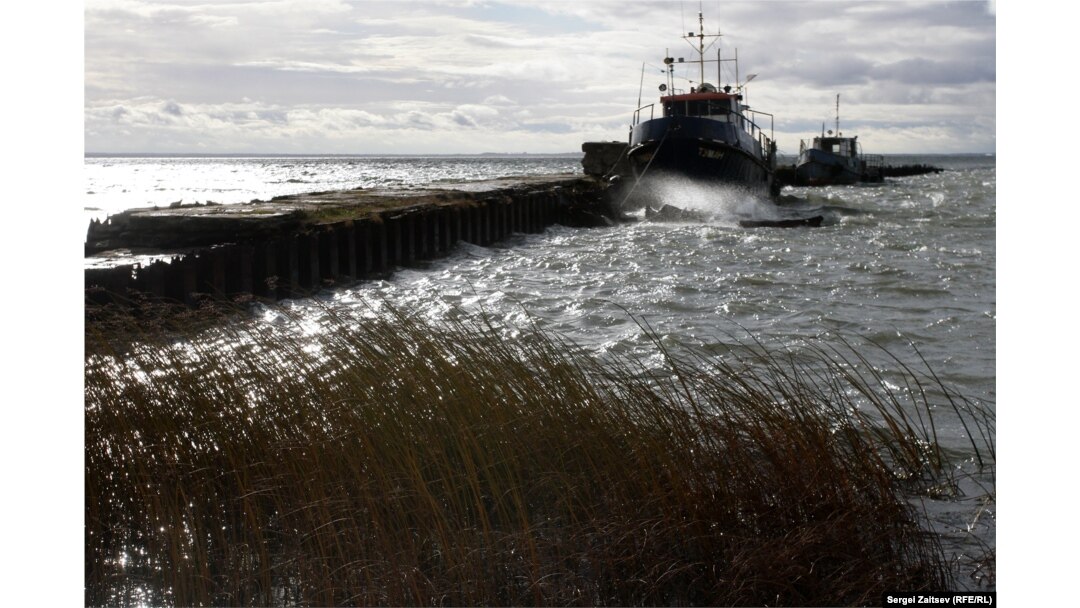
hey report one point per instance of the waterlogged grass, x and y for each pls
(390, 461)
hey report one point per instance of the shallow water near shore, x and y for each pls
(908, 264)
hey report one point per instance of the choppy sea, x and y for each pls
(909, 264)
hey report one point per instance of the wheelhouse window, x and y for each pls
(713, 108)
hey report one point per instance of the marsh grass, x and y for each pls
(391, 461)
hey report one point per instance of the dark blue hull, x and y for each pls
(702, 150)
(820, 168)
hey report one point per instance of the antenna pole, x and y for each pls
(737, 86)
(670, 70)
(641, 84)
(838, 115)
(701, 46)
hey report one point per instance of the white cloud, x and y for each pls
(237, 75)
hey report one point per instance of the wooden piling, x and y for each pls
(307, 253)
(446, 240)
(329, 266)
(467, 223)
(296, 259)
(454, 224)
(378, 233)
(347, 258)
(288, 264)
(239, 277)
(394, 230)
(489, 223)
(264, 273)
(188, 268)
(152, 279)
(365, 250)
(211, 272)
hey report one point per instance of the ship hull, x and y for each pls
(709, 153)
(820, 168)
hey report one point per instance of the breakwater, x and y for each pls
(294, 245)
(786, 175)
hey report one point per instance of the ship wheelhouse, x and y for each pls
(707, 105)
(711, 116)
(846, 147)
(705, 102)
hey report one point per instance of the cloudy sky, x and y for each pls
(344, 76)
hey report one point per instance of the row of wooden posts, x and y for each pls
(293, 265)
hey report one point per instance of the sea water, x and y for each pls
(908, 264)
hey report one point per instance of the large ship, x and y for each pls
(707, 133)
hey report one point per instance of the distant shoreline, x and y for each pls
(455, 155)
(317, 155)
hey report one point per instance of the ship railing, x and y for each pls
(637, 113)
(872, 166)
(872, 161)
(758, 133)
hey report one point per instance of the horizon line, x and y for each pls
(405, 154)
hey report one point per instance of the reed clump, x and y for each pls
(385, 460)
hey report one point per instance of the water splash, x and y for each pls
(679, 198)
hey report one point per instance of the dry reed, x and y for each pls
(391, 461)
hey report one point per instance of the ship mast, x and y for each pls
(700, 46)
(838, 115)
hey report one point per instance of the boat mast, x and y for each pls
(700, 46)
(838, 115)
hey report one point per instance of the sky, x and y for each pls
(348, 77)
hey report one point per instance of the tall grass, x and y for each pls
(391, 461)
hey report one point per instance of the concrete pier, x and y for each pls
(293, 246)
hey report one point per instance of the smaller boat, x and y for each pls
(835, 160)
